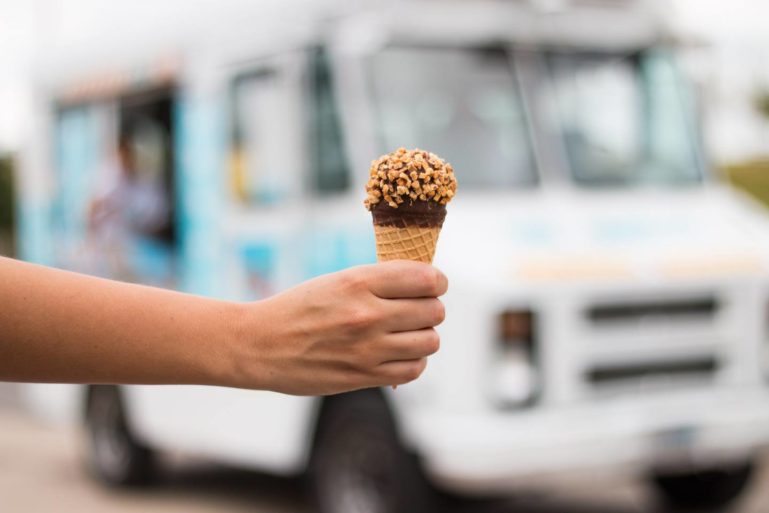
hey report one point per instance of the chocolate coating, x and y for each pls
(422, 214)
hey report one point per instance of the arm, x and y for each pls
(367, 326)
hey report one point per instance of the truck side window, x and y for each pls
(332, 173)
(267, 154)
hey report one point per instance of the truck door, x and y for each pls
(262, 218)
(267, 204)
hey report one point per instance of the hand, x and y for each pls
(364, 327)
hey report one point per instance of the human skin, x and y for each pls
(363, 327)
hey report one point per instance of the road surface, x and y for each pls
(41, 471)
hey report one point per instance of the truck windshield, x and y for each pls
(625, 121)
(462, 104)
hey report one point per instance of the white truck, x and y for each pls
(608, 300)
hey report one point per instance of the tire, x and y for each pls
(707, 490)
(113, 454)
(359, 465)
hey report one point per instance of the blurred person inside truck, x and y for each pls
(128, 214)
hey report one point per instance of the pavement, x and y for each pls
(41, 470)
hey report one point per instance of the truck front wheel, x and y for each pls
(707, 490)
(358, 463)
(114, 455)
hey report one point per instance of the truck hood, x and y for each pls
(567, 236)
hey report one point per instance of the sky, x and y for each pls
(741, 20)
(16, 47)
(735, 65)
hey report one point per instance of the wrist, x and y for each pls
(239, 361)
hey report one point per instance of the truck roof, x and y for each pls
(614, 25)
(230, 30)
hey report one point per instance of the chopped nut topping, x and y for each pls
(409, 175)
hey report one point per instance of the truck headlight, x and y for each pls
(515, 376)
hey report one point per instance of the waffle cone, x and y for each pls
(406, 243)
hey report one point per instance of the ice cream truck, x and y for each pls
(608, 302)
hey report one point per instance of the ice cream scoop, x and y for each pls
(407, 193)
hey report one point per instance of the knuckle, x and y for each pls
(443, 283)
(360, 364)
(414, 370)
(433, 343)
(440, 311)
(360, 318)
(354, 279)
(428, 280)
(357, 359)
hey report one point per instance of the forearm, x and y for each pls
(363, 327)
(57, 326)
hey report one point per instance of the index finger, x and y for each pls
(406, 279)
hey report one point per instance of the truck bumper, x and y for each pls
(495, 451)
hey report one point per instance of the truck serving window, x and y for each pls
(461, 103)
(624, 120)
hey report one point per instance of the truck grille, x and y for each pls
(649, 372)
(663, 310)
(670, 341)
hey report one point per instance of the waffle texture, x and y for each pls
(406, 243)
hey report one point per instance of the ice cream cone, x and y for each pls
(410, 243)
(409, 232)
(407, 193)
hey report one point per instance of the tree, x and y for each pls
(761, 101)
(7, 206)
